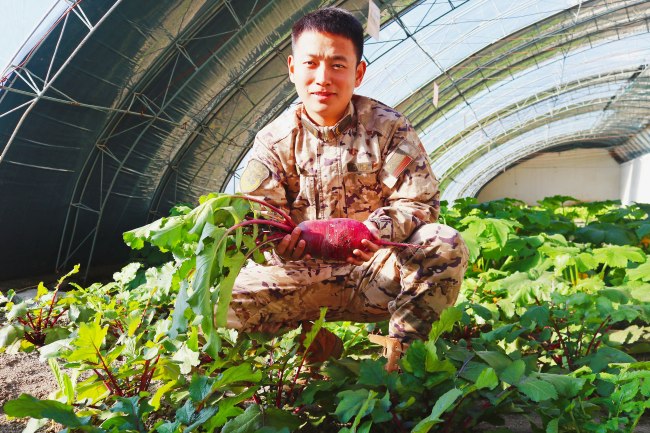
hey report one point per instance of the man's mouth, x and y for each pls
(322, 94)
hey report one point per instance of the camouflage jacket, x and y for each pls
(370, 166)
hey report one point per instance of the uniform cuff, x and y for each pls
(384, 225)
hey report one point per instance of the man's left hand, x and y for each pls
(359, 257)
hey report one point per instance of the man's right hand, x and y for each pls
(291, 247)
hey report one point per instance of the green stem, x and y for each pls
(506, 263)
(602, 272)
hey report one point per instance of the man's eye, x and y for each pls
(339, 66)
(309, 63)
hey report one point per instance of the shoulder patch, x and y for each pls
(254, 174)
(396, 163)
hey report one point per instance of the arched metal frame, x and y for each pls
(119, 112)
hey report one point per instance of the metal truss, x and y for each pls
(607, 22)
(40, 84)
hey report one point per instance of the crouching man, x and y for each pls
(335, 155)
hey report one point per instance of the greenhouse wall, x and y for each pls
(635, 179)
(586, 174)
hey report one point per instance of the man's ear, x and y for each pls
(360, 72)
(290, 65)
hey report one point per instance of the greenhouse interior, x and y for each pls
(127, 133)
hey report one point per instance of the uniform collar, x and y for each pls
(329, 133)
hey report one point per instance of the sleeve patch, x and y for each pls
(396, 163)
(254, 174)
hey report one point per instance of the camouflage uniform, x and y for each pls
(370, 167)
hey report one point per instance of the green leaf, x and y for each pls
(280, 419)
(537, 316)
(28, 406)
(442, 405)
(234, 264)
(449, 317)
(17, 310)
(617, 256)
(351, 402)
(200, 418)
(127, 273)
(9, 334)
(89, 341)
(513, 373)
(553, 425)
(487, 379)
(497, 360)
(566, 386)
(200, 387)
(228, 409)
(187, 358)
(181, 305)
(372, 373)
(63, 380)
(642, 272)
(607, 355)
(414, 361)
(201, 298)
(134, 411)
(537, 390)
(239, 373)
(247, 422)
(641, 293)
(311, 334)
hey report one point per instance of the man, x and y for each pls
(342, 155)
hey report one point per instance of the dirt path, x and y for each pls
(22, 373)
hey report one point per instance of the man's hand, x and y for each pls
(359, 257)
(291, 247)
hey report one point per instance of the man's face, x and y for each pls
(324, 69)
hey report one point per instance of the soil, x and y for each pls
(23, 373)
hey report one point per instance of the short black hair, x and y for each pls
(333, 20)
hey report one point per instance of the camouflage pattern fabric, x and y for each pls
(372, 167)
(409, 287)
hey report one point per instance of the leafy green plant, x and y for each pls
(35, 321)
(548, 322)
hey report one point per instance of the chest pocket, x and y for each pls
(306, 200)
(362, 188)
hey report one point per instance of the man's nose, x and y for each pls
(322, 74)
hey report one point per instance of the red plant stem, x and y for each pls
(119, 325)
(279, 211)
(144, 312)
(384, 243)
(295, 378)
(593, 339)
(150, 374)
(278, 397)
(565, 349)
(143, 376)
(56, 318)
(103, 379)
(397, 421)
(118, 390)
(284, 227)
(31, 321)
(49, 313)
(257, 400)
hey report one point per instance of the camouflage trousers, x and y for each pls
(407, 286)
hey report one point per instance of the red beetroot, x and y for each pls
(333, 239)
